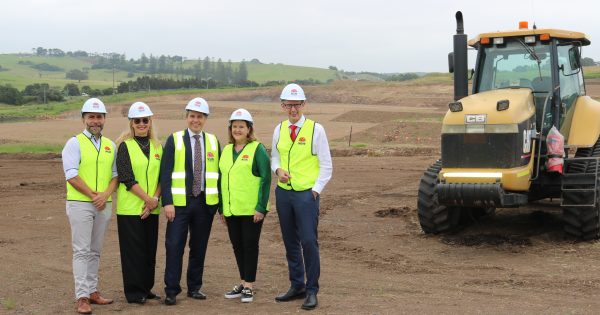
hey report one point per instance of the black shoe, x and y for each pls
(236, 292)
(152, 296)
(310, 302)
(247, 295)
(197, 295)
(138, 301)
(170, 300)
(291, 294)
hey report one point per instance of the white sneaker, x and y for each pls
(235, 293)
(247, 295)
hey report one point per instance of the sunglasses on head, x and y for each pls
(137, 121)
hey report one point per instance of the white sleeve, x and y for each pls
(275, 160)
(114, 167)
(321, 147)
(71, 156)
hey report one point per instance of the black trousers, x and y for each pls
(245, 236)
(137, 242)
(196, 217)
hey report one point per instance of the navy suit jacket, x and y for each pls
(168, 163)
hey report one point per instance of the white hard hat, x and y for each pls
(292, 92)
(241, 114)
(93, 105)
(138, 110)
(198, 105)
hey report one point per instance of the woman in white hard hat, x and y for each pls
(138, 208)
(245, 186)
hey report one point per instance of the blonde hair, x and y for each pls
(129, 133)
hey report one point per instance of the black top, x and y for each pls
(124, 168)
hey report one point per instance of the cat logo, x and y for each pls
(475, 118)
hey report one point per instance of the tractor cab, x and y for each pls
(546, 61)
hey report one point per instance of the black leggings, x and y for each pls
(245, 235)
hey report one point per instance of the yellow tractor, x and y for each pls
(527, 86)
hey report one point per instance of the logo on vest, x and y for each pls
(245, 157)
(302, 141)
(107, 149)
(210, 156)
(157, 156)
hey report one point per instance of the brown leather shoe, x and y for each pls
(83, 306)
(96, 298)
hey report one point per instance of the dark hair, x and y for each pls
(250, 136)
(83, 114)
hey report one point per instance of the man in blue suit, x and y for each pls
(189, 181)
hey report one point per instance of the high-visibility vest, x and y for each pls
(95, 167)
(211, 167)
(239, 186)
(297, 157)
(146, 172)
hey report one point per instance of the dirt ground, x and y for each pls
(374, 257)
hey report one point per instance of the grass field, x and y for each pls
(21, 75)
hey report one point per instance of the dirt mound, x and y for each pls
(394, 212)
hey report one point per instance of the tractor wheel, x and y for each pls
(583, 222)
(433, 217)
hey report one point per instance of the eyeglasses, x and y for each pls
(137, 121)
(289, 106)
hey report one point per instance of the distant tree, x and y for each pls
(143, 62)
(207, 67)
(130, 74)
(86, 89)
(77, 74)
(334, 68)
(198, 70)
(153, 63)
(47, 67)
(587, 62)
(10, 95)
(242, 73)
(162, 64)
(255, 61)
(107, 91)
(41, 51)
(221, 73)
(72, 89)
(80, 54)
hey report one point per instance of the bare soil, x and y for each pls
(375, 258)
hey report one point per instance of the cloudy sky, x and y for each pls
(366, 35)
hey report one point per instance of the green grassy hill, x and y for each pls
(19, 75)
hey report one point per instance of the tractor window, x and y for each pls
(571, 80)
(511, 65)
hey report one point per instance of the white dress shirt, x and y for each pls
(320, 146)
(71, 155)
(193, 143)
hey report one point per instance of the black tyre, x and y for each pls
(433, 217)
(583, 222)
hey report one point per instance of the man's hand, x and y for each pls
(99, 200)
(170, 212)
(283, 176)
(222, 219)
(315, 194)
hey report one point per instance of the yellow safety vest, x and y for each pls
(146, 172)
(239, 186)
(95, 167)
(297, 157)
(211, 166)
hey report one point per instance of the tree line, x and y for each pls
(44, 93)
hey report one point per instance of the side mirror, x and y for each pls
(574, 57)
(451, 62)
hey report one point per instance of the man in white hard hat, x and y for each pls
(301, 159)
(189, 180)
(91, 174)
